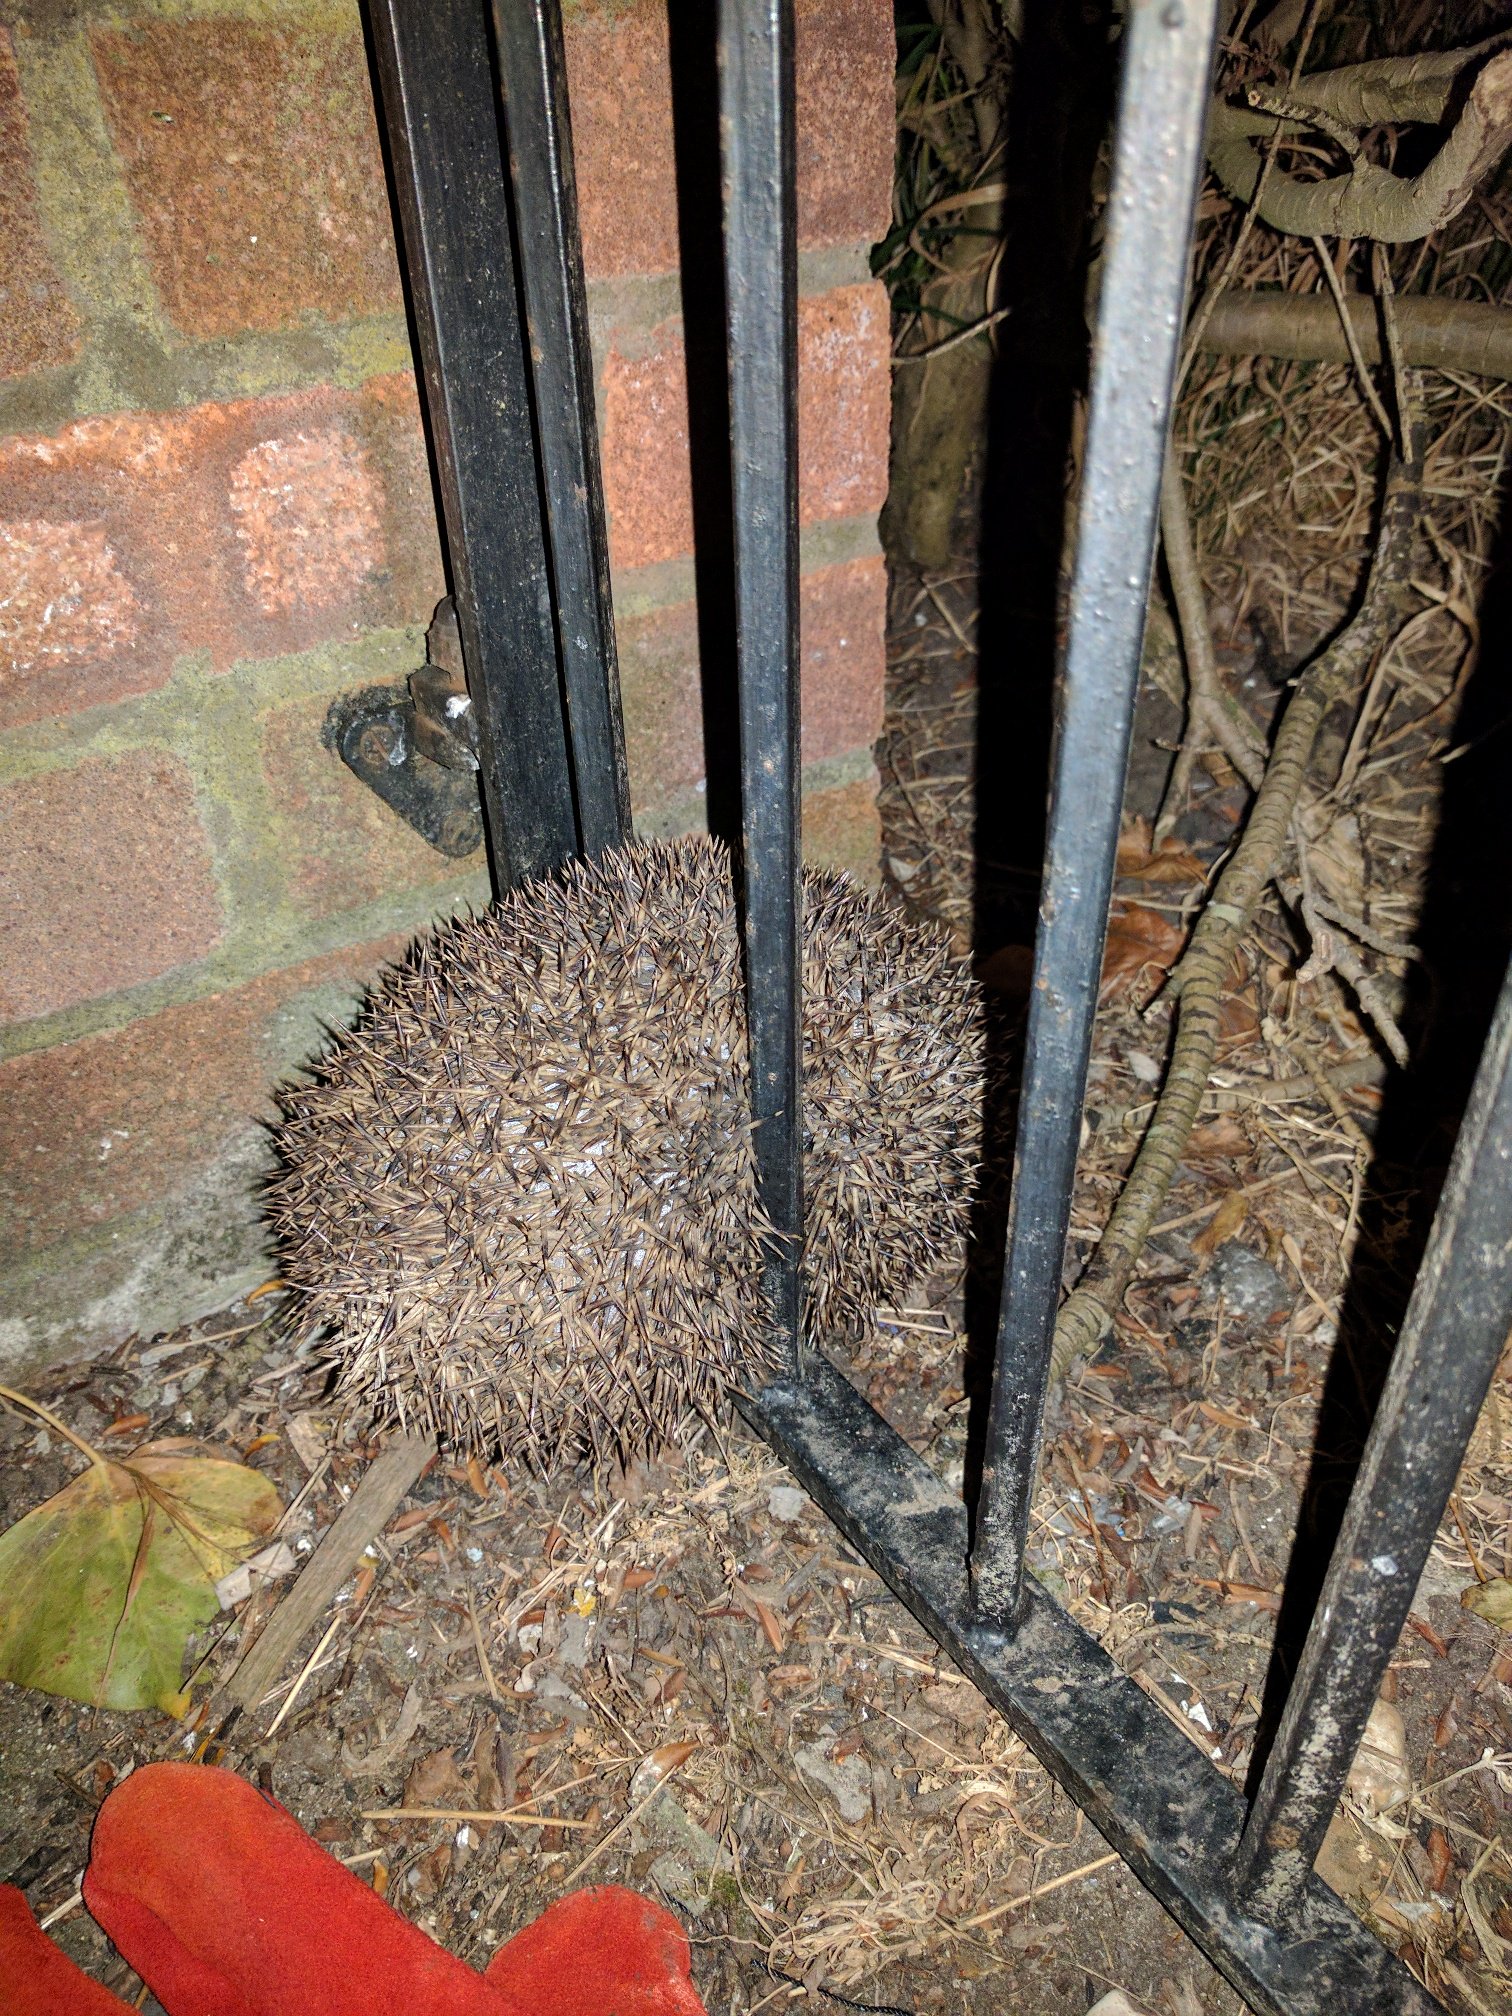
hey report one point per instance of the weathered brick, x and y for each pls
(248, 530)
(92, 1130)
(662, 697)
(251, 154)
(844, 402)
(412, 576)
(340, 845)
(38, 325)
(845, 56)
(618, 76)
(842, 615)
(843, 414)
(105, 881)
(65, 607)
(842, 829)
(306, 516)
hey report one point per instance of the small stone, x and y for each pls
(787, 1503)
(1249, 1287)
(848, 1782)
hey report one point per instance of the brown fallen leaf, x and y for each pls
(437, 1781)
(1169, 862)
(1223, 1224)
(1142, 947)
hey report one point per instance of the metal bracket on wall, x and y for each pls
(418, 748)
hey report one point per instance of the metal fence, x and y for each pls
(489, 226)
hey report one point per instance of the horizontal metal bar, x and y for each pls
(533, 63)
(761, 289)
(435, 69)
(1146, 1788)
(1452, 1336)
(1157, 156)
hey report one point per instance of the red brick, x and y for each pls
(844, 402)
(617, 63)
(413, 577)
(341, 845)
(846, 55)
(306, 516)
(648, 490)
(105, 881)
(247, 530)
(65, 607)
(842, 614)
(251, 155)
(38, 325)
(92, 1130)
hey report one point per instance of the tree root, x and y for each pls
(1436, 334)
(1369, 201)
(1198, 982)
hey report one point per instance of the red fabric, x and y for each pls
(226, 1907)
(37, 1978)
(600, 1952)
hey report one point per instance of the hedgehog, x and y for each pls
(518, 1200)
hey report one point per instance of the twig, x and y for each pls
(488, 1673)
(977, 328)
(478, 1816)
(1200, 979)
(620, 1825)
(1209, 707)
(304, 1673)
(1356, 355)
(1030, 1896)
(386, 1483)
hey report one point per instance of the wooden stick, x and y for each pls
(386, 1482)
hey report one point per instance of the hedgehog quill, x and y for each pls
(519, 1200)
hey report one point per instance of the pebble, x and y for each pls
(1250, 1288)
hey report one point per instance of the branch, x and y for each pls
(1437, 334)
(1368, 201)
(1199, 980)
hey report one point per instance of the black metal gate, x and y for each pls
(489, 221)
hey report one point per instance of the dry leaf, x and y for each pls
(1142, 947)
(1380, 1776)
(106, 1582)
(1169, 862)
(1223, 1224)
(1491, 1600)
(437, 1781)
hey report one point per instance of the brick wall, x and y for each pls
(216, 514)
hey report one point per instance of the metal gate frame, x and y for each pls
(489, 225)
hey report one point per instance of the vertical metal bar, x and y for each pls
(435, 71)
(1157, 154)
(756, 129)
(1456, 1324)
(533, 67)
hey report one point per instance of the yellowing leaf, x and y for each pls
(101, 1587)
(1491, 1600)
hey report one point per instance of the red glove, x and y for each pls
(37, 1978)
(226, 1907)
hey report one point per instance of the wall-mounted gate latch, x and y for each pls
(417, 748)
